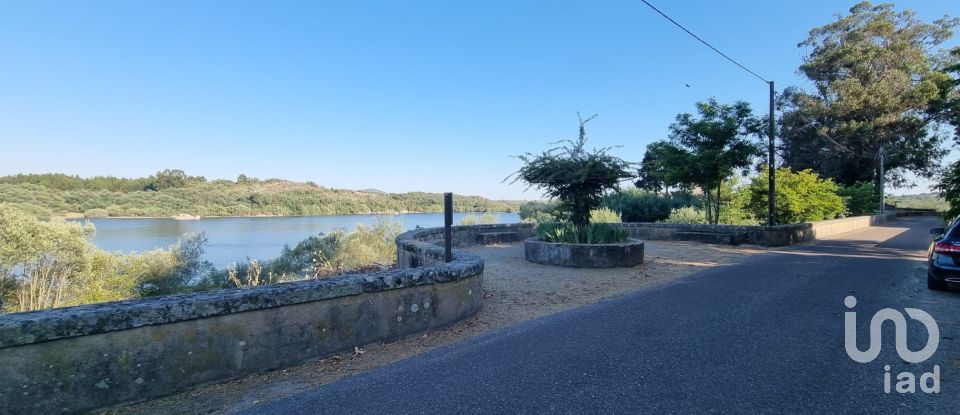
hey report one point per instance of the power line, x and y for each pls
(704, 41)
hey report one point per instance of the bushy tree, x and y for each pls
(706, 151)
(635, 205)
(860, 198)
(41, 258)
(801, 196)
(949, 188)
(573, 175)
(875, 76)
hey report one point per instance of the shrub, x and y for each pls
(474, 219)
(577, 178)
(593, 233)
(636, 205)
(689, 214)
(860, 198)
(540, 211)
(801, 196)
(604, 215)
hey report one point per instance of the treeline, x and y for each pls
(172, 193)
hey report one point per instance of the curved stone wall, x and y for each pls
(76, 359)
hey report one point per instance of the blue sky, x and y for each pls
(398, 96)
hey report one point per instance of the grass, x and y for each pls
(594, 233)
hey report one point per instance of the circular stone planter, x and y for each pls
(626, 254)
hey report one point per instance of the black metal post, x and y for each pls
(447, 223)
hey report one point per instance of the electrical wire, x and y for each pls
(704, 41)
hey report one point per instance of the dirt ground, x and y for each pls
(514, 291)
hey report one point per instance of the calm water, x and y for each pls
(233, 239)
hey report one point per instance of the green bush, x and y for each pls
(689, 214)
(636, 205)
(474, 219)
(541, 211)
(801, 196)
(592, 233)
(604, 215)
(860, 198)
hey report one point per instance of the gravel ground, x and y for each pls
(514, 291)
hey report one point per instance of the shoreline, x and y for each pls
(185, 217)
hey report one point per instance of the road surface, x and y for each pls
(763, 336)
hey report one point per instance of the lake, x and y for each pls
(234, 239)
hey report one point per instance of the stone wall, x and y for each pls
(76, 359)
(780, 235)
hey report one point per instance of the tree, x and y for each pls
(576, 177)
(874, 79)
(705, 151)
(651, 174)
(949, 189)
(947, 109)
(801, 196)
(40, 259)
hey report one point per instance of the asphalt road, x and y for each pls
(763, 336)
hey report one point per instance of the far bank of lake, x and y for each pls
(233, 239)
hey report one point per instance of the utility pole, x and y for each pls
(771, 166)
(881, 155)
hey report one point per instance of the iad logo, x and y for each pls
(906, 381)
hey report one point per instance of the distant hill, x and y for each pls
(371, 191)
(919, 201)
(173, 193)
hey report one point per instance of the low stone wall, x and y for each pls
(825, 228)
(780, 235)
(419, 247)
(615, 255)
(76, 359)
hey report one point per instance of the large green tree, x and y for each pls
(705, 151)
(947, 109)
(874, 77)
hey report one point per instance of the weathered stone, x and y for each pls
(625, 254)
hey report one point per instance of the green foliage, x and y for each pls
(604, 215)
(577, 178)
(860, 198)
(705, 151)
(689, 215)
(473, 219)
(52, 263)
(635, 205)
(541, 211)
(592, 233)
(801, 196)
(652, 175)
(920, 201)
(102, 197)
(875, 82)
(949, 188)
(172, 179)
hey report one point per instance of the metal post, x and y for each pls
(771, 166)
(447, 223)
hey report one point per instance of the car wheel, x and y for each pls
(936, 285)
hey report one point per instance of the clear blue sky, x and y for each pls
(392, 95)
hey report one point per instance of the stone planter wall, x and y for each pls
(625, 254)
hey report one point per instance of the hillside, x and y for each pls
(919, 201)
(172, 193)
